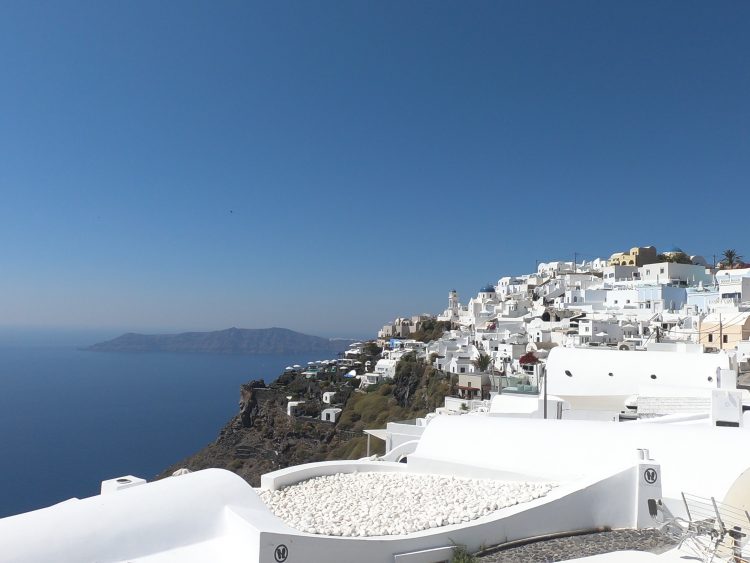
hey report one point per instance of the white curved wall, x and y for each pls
(159, 517)
(695, 458)
(631, 371)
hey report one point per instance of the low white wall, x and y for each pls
(213, 515)
(128, 524)
(606, 502)
(589, 372)
(697, 458)
(291, 475)
(401, 433)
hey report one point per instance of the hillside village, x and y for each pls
(500, 341)
(492, 355)
(635, 300)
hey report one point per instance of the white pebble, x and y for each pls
(381, 503)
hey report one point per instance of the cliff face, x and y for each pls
(263, 438)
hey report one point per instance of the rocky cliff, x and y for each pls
(262, 437)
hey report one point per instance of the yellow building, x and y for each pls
(724, 331)
(638, 256)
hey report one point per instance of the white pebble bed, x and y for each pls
(384, 504)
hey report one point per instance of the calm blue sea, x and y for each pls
(71, 418)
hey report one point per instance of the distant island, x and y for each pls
(229, 341)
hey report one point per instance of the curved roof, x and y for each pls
(489, 288)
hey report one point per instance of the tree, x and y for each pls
(730, 258)
(676, 256)
(483, 361)
(371, 349)
(528, 359)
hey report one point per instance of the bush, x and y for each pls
(462, 555)
(386, 389)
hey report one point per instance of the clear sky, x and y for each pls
(326, 166)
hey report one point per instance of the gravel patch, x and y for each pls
(383, 504)
(573, 547)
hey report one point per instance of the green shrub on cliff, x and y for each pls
(430, 330)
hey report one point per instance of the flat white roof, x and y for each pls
(381, 433)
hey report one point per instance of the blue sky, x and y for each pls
(326, 166)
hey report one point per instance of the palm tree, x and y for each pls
(730, 258)
(482, 362)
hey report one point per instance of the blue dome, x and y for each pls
(488, 289)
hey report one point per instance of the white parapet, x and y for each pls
(120, 483)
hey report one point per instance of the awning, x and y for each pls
(380, 433)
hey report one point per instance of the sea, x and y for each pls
(70, 418)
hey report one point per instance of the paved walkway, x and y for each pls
(573, 547)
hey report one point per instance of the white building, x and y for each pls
(386, 368)
(599, 331)
(735, 287)
(553, 269)
(673, 272)
(460, 364)
(620, 273)
(330, 415)
(700, 299)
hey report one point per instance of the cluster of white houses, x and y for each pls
(635, 300)
(402, 327)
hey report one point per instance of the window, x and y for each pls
(726, 339)
(463, 370)
(710, 337)
(661, 270)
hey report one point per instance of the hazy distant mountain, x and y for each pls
(229, 341)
